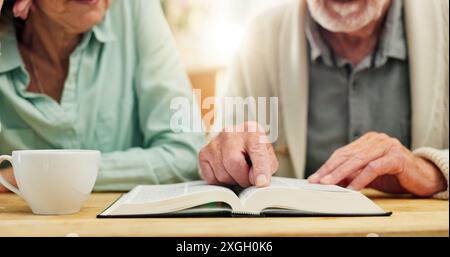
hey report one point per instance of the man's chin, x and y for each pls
(341, 8)
(345, 16)
(342, 25)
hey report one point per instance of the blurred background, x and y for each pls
(208, 32)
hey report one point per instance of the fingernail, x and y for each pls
(261, 180)
(351, 188)
(313, 178)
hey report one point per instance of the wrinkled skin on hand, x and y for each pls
(380, 162)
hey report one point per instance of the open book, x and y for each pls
(285, 197)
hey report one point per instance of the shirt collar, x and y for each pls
(104, 31)
(318, 47)
(9, 52)
(393, 38)
(392, 42)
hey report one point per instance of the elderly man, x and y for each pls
(363, 91)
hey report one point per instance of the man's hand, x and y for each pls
(7, 174)
(241, 158)
(381, 162)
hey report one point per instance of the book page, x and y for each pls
(149, 194)
(300, 195)
(290, 183)
(304, 184)
(160, 199)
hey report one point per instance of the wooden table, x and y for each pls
(412, 217)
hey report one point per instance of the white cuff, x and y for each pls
(441, 159)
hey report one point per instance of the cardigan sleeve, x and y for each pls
(441, 159)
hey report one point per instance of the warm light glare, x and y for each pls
(222, 42)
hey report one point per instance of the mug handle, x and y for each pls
(3, 180)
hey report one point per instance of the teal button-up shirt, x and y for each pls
(121, 81)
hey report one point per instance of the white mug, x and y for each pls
(53, 182)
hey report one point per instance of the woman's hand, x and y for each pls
(381, 162)
(21, 8)
(7, 174)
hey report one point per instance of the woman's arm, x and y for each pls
(167, 156)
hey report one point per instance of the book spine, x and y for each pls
(244, 213)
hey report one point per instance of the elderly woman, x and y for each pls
(95, 74)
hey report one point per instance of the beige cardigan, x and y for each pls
(272, 62)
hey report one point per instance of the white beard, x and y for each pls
(345, 17)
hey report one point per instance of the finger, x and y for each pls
(233, 158)
(373, 170)
(1, 4)
(354, 164)
(219, 169)
(346, 182)
(235, 164)
(342, 155)
(274, 160)
(207, 173)
(251, 176)
(222, 175)
(261, 162)
(205, 167)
